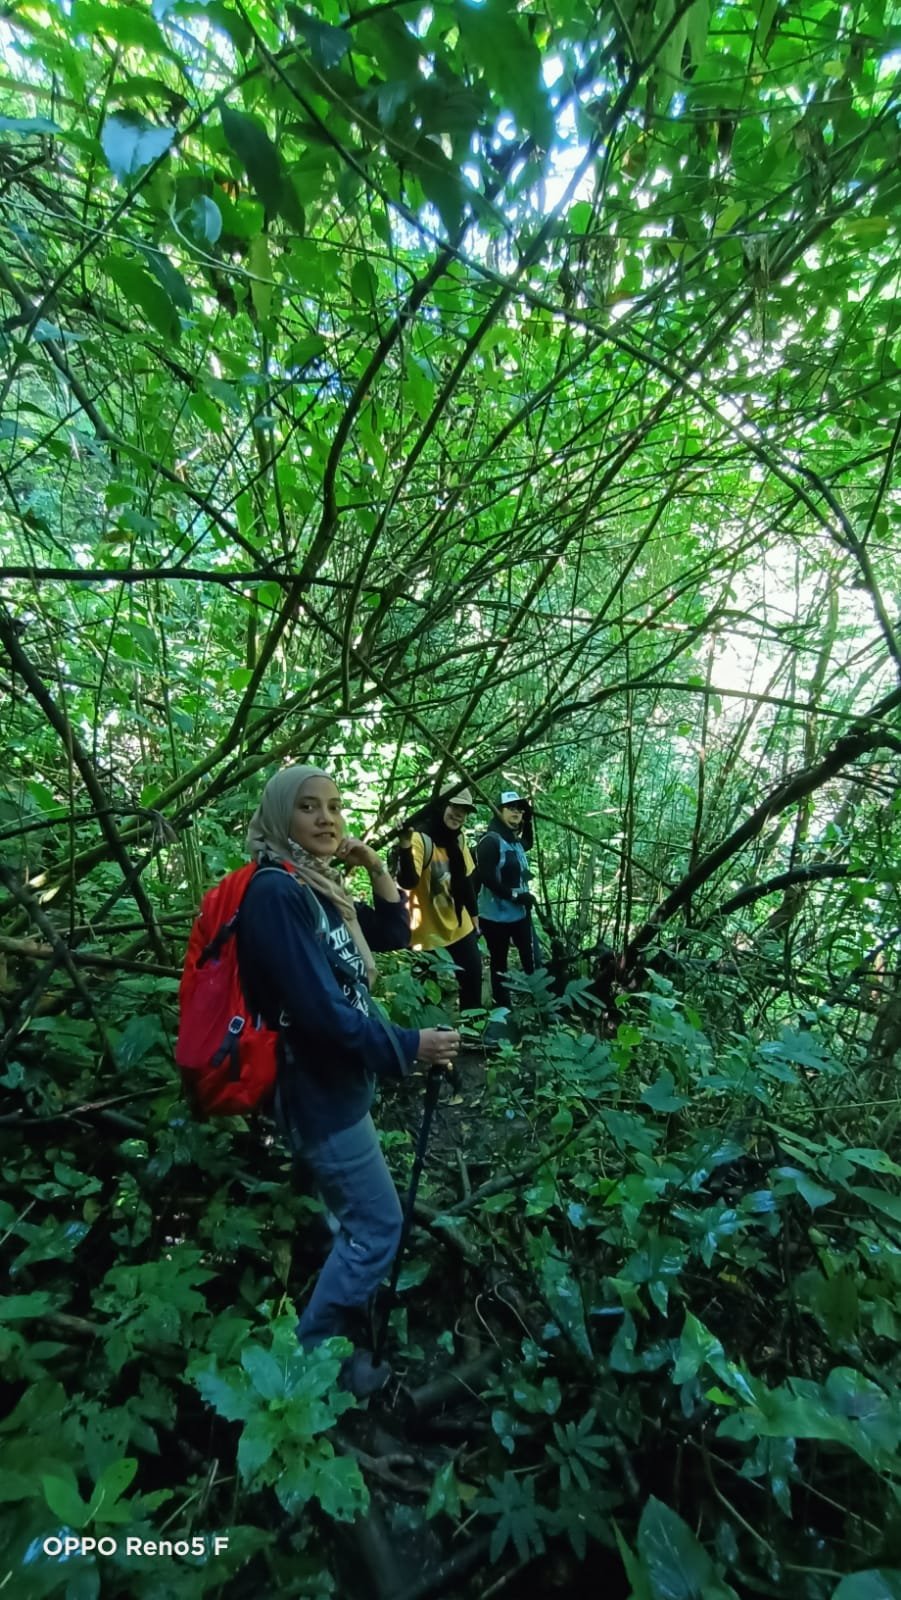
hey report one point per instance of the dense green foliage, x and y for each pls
(461, 390)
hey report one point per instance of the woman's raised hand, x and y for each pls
(354, 853)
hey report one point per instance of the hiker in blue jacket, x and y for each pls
(305, 956)
(504, 898)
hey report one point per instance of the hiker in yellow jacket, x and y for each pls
(436, 868)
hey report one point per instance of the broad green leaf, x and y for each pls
(203, 220)
(130, 142)
(873, 1161)
(541, 1196)
(340, 1489)
(252, 145)
(169, 276)
(64, 1500)
(791, 1180)
(669, 58)
(848, 1410)
(629, 1132)
(264, 1372)
(678, 1567)
(128, 25)
(877, 1583)
(412, 1273)
(26, 1307)
(561, 1122)
(328, 45)
(697, 22)
(836, 1301)
(698, 1348)
(261, 286)
(40, 1408)
(726, 219)
(544, 1397)
(145, 294)
(258, 1444)
(118, 494)
(15, 1486)
(661, 1096)
(230, 1396)
(579, 217)
(876, 1412)
(880, 1199)
(232, 24)
(49, 1241)
(445, 1493)
(441, 185)
(801, 1047)
(306, 350)
(635, 1570)
(562, 1292)
(110, 1487)
(141, 1034)
(497, 39)
(363, 283)
(206, 409)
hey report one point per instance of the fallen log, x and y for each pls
(448, 1573)
(453, 1384)
(445, 1228)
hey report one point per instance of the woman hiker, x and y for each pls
(504, 898)
(305, 957)
(435, 866)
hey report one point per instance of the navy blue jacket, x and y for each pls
(299, 965)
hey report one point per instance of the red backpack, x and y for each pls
(226, 1055)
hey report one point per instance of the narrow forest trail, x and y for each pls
(461, 1140)
(458, 1315)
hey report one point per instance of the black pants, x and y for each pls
(464, 953)
(499, 936)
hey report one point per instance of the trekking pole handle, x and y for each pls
(453, 1075)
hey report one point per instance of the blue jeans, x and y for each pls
(356, 1186)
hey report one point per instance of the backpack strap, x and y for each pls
(337, 967)
(274, 869)
(211, 951)
(229, 927)
(375, 1010)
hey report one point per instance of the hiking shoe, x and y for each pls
(360, 1377)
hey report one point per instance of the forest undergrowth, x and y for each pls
(646, 1333)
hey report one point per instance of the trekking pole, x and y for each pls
(433, 1090)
